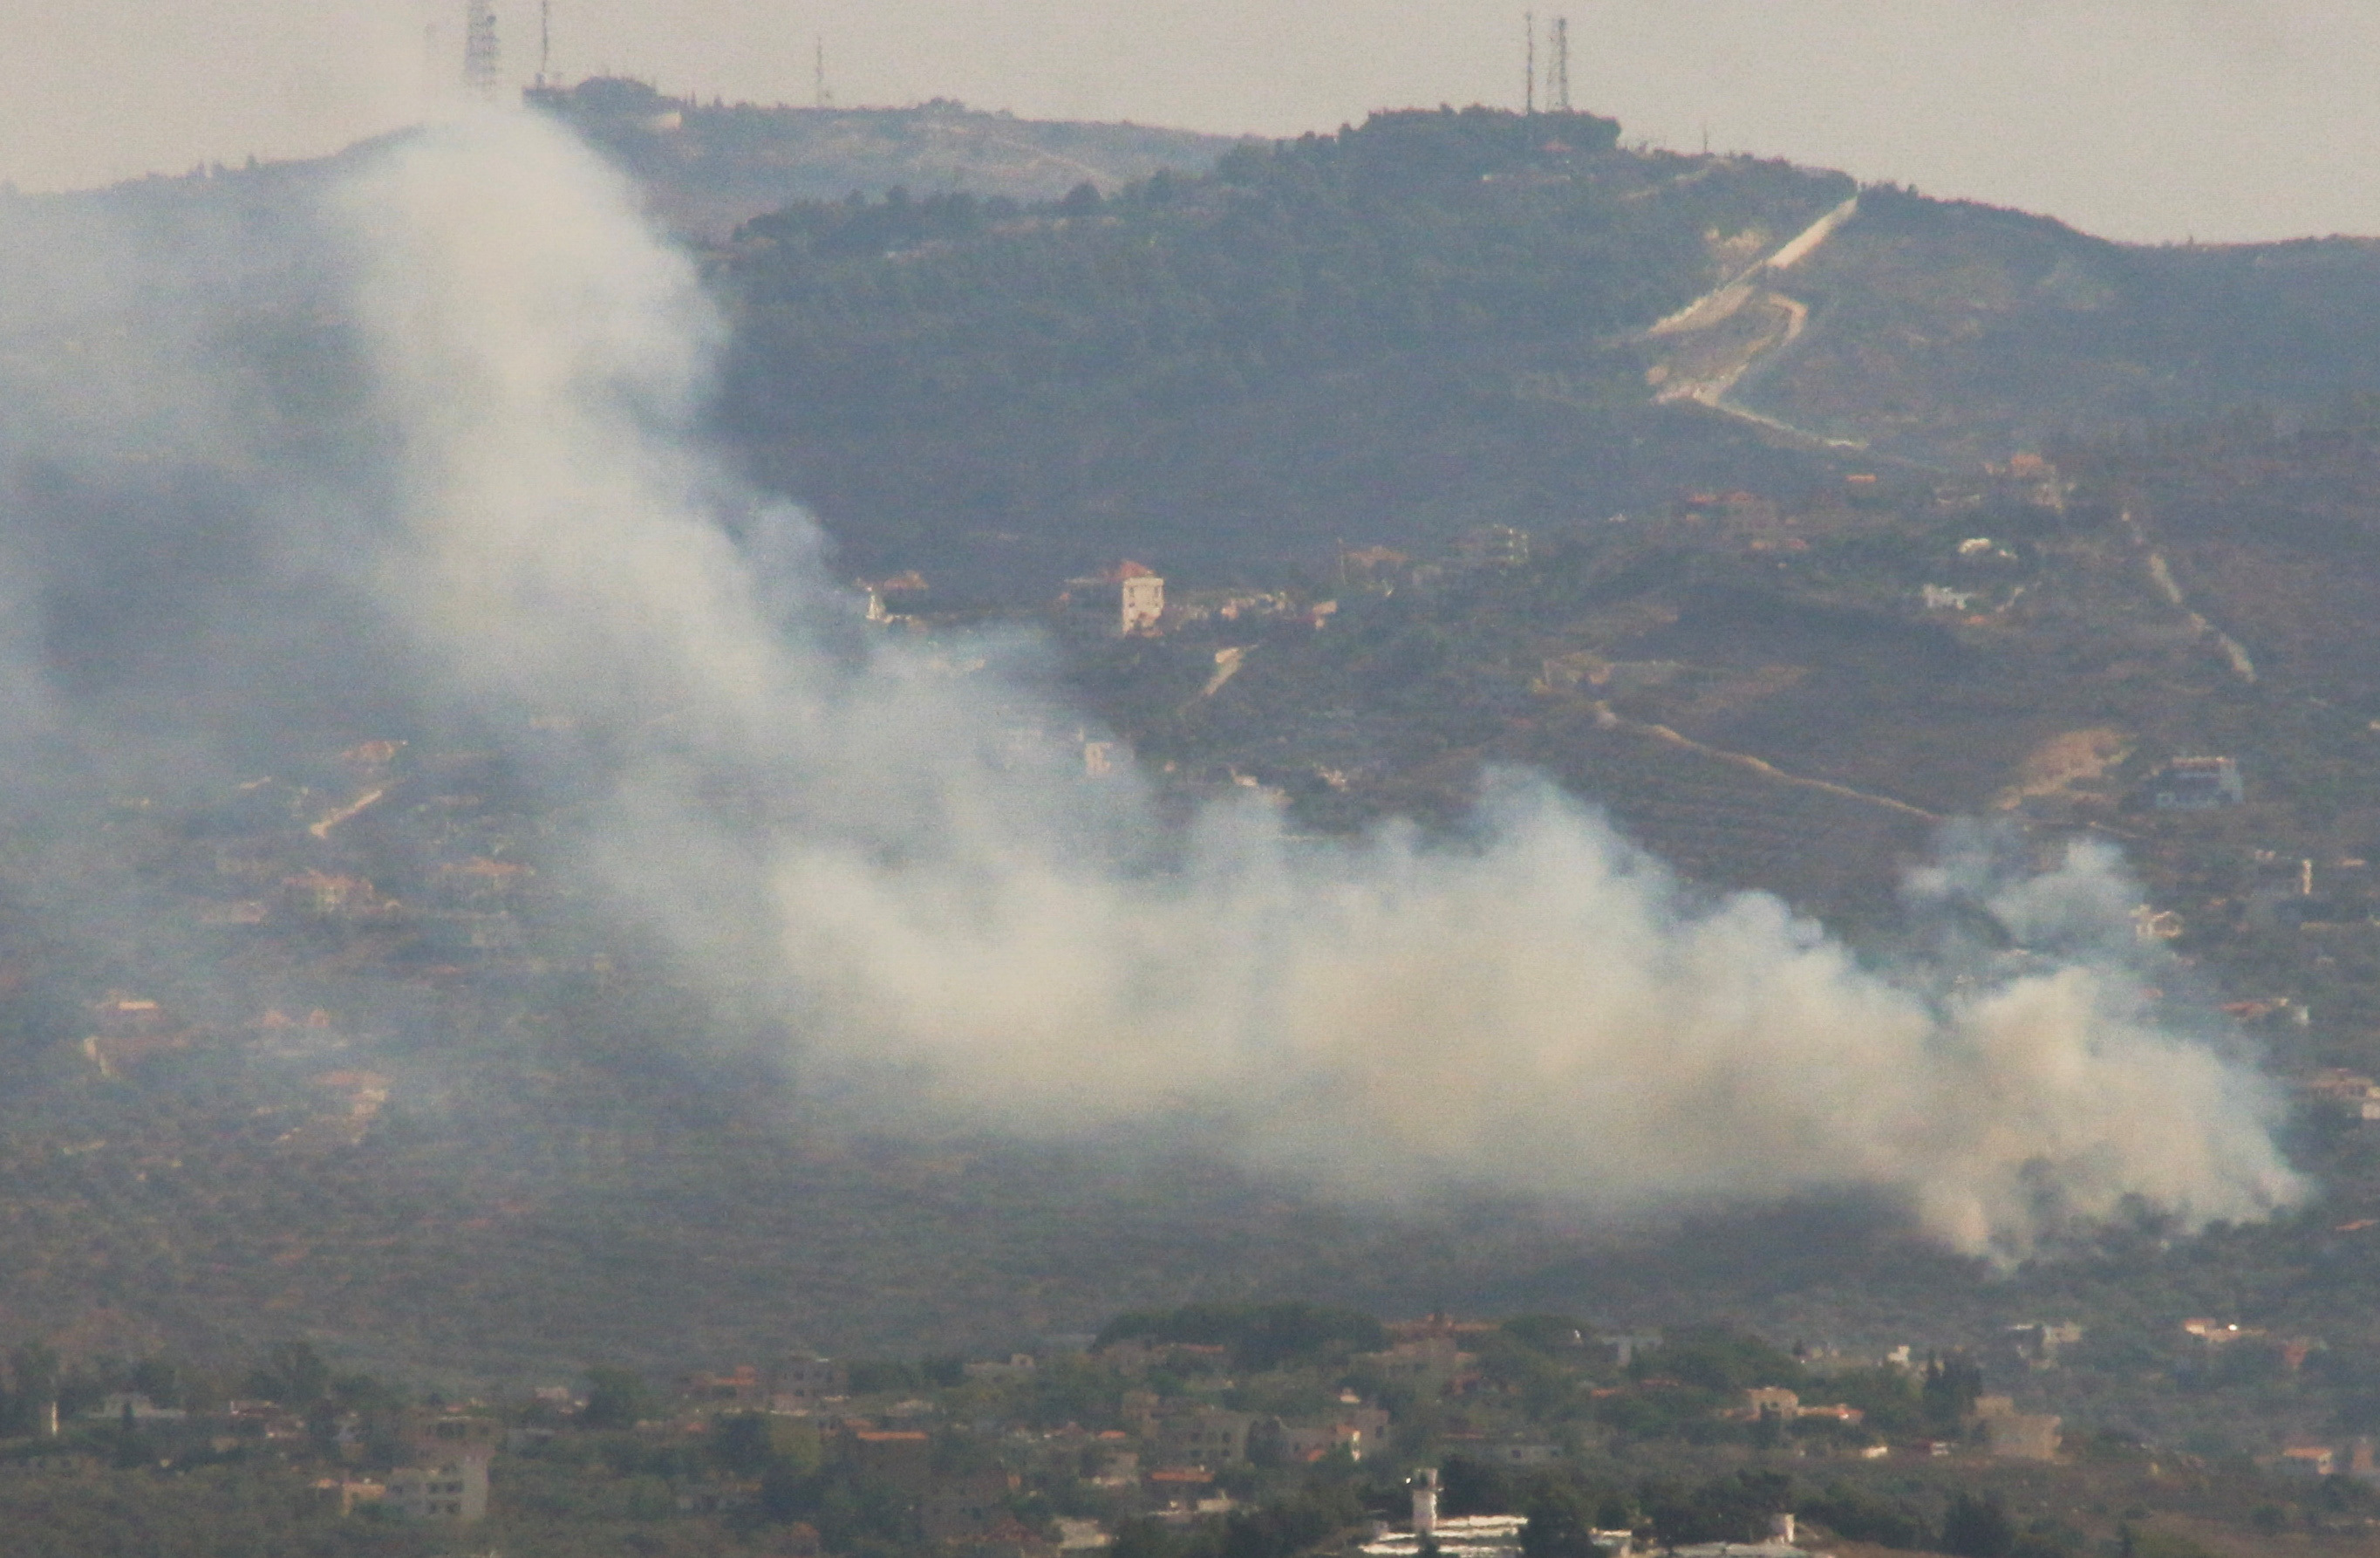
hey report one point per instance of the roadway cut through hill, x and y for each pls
(1743, 324)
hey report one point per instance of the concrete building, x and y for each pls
(1426, 1362)
(1425, 1501)
(2014, 1435)
(1493, 546)
(345, 1494)
(1131, 590)
(1209, 1438)
(965, 1509)
(2198, 784)
(1304, 1443)
(434, 1438)
(2308, 1460)
(902, 1456)
(740, 1388)
(1141, 599)
(802, 1384)
(113, 1408)
(452, 1492)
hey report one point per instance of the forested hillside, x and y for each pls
(1387, 335)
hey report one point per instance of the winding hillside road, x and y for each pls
(1711, 384)
(2242, 666)
(1606, 718)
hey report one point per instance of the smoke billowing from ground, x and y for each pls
(518, 508)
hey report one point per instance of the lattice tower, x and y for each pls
(482, 58)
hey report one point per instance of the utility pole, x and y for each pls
(482, 58)
(1529, 87)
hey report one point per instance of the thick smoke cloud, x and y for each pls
(517, 520)
(1539, 1008)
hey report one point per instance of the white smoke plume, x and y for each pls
(958, 934)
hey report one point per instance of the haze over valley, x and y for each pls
(644, 735)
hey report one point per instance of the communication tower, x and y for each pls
(544, 41)
(1529, 85)
(1558, 79)
(482, 58)
(823, 98)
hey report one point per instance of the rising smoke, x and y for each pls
(516, 517)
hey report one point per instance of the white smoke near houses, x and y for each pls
(956, 935)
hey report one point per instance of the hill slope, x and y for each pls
(710, 168)
(1391, 334)
(1395, 334)
(1957, 334)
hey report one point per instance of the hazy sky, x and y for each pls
(2136, 118)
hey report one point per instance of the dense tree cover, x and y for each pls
(1950, 1388)
(1557, 1334)
(1321, 254)
(34, 1378)
(293, 1374)
(65, 1511)
(1317, 304)
(1717, 1358)
(615, 1398)
(1261, 1336)
(1563, 1517)
(1977, 1526)
(1864, 1516)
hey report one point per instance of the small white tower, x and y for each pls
(1425, 1491)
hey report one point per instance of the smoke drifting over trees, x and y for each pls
(460, 489)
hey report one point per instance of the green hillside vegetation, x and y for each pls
(1394, 333)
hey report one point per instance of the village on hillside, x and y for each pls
(1294, 1428)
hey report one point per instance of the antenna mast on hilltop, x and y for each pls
(1529, 85)
(823, 98)
(1558, 81)
(544, 40)
(482, 60)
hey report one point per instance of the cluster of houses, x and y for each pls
(282, 858)
(1173, 1455)
(2291, 1351)
(443, 1457)
(2352, 1092)
(1130, 600)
